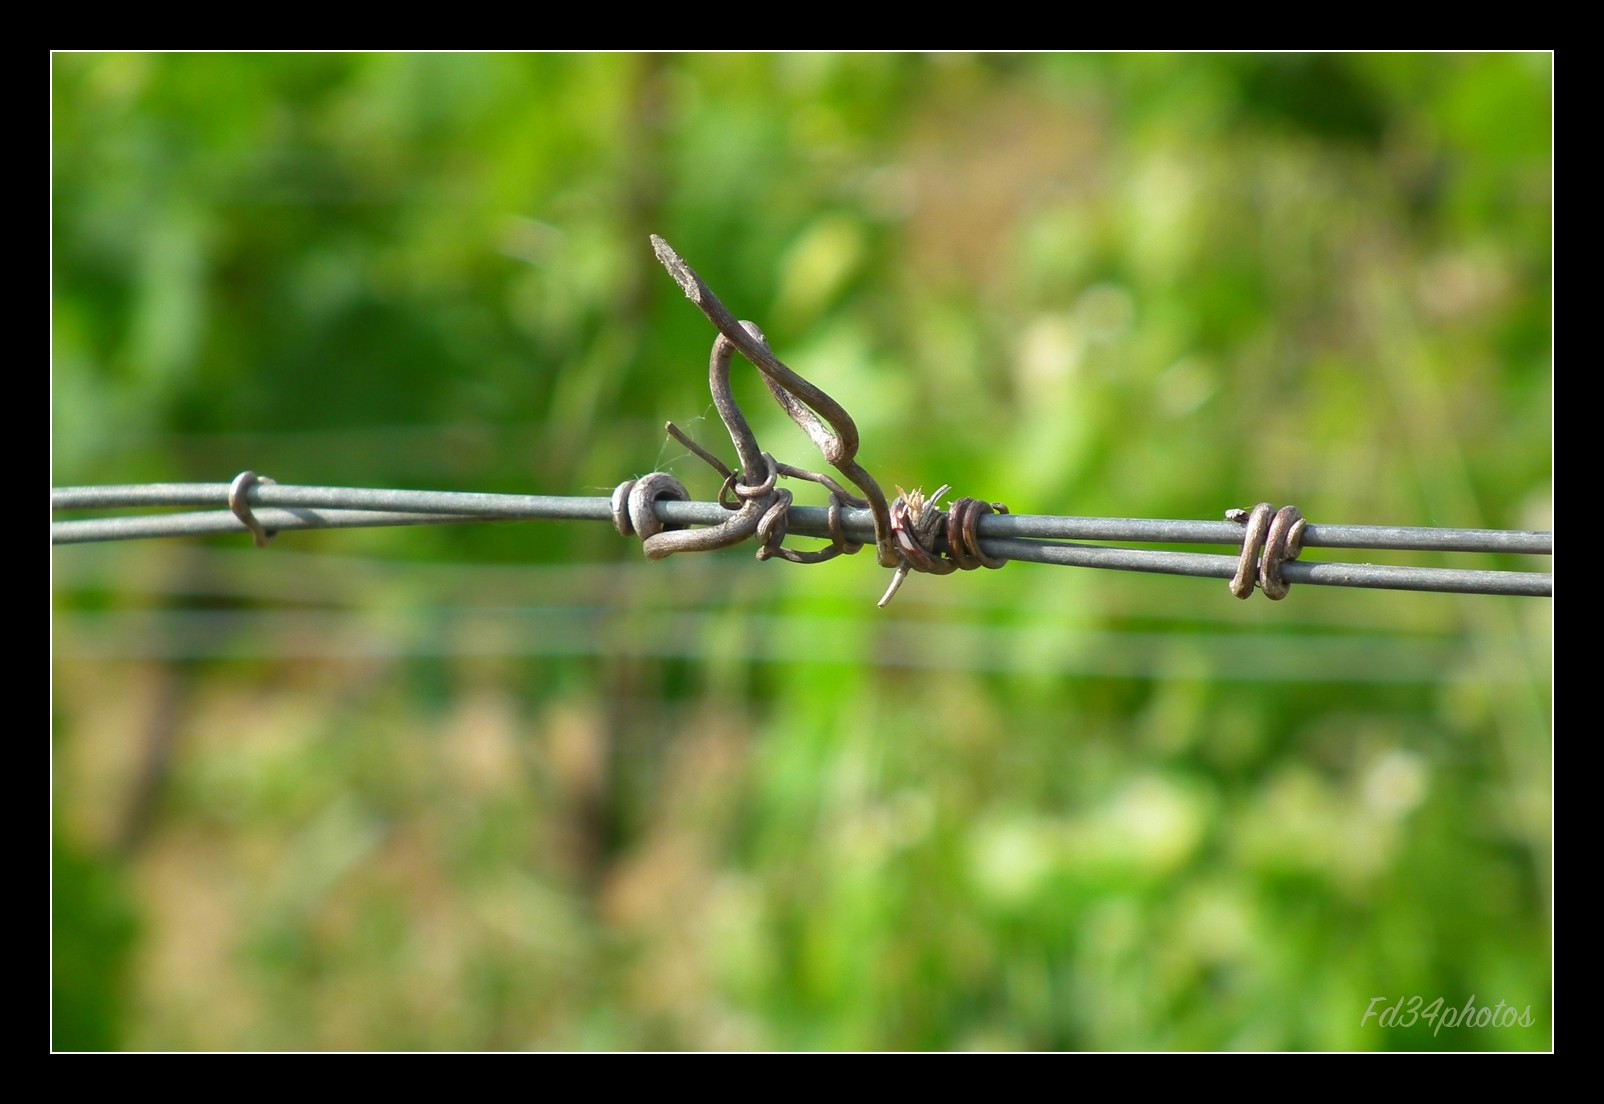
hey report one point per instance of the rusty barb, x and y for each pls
(911, 533)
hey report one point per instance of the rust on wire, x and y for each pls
(910, 533)
(1271, 538)
(962, 538)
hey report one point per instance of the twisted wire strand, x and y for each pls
(286, 507)
(443, 507)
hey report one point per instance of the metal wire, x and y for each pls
(1024, 537)
(468, 506)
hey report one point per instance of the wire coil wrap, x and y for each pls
(934, 542)
(963, 543)
(1272, 537)
(632, 506)
(239, 503)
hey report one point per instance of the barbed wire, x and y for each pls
(911, 533)
(1027, 538)
(444, 507)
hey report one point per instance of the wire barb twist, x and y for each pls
(938, 542)
(634, 507)
(1271, 538)
(239, 501)
(963, 540)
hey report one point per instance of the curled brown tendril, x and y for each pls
(1272, 537)
(760, 506)
(909, 533)
(828, 426)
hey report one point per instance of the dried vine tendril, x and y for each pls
(912, 533)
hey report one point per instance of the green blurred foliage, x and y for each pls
(509, 787)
